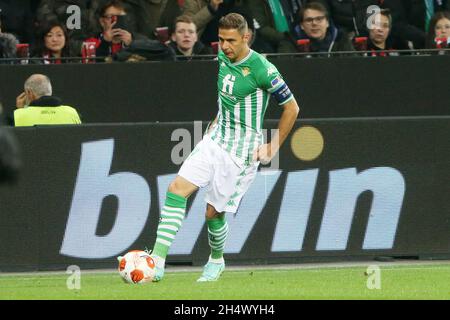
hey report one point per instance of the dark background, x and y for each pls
(186, 91)
(34, 212)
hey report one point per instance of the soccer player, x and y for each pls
(225, 162)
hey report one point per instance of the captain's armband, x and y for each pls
(282, 94)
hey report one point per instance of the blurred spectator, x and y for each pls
(57, 10)
(52, 43)
(170, 10)
(380, 40)
(256, 41)
(206, 15)
(37, 106)
(17, 18)
(439, 32)
(8, 45)
(144, 16)
(276, 21)
(411, 18)
(34, 6)
(350, 15)
(112, 39)
(184, 39)
(10, 157)
(319, 32)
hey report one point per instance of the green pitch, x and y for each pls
(396, 282)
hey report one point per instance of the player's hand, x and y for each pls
(265, 153)
(21, 100)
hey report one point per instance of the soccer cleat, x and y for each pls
(158, 275)
(159, 270)
(212, 272)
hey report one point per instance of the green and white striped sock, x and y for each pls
(217, 235)
(172, 215)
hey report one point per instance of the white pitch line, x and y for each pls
(391, 265)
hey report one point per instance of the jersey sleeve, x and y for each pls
(271, 81)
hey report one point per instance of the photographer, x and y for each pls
(115, 35)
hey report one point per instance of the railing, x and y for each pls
(391, 53)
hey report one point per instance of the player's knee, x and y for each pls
(181, 188)
(211, 213)
(175, 187)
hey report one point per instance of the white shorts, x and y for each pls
(209, 166)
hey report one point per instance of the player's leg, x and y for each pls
(193, 174)
(217, 236)
(171, 218)
(229, 185)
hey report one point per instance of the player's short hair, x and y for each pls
(234, 21)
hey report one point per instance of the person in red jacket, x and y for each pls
(114, 36)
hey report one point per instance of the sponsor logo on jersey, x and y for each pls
(228, 83)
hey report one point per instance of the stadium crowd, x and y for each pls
(59, 31)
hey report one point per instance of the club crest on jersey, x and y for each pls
(246, 71)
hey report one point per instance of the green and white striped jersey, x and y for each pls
(244, 90)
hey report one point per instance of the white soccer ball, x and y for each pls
(136, 267)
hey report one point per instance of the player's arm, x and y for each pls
(267, 151)
(211, 125)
